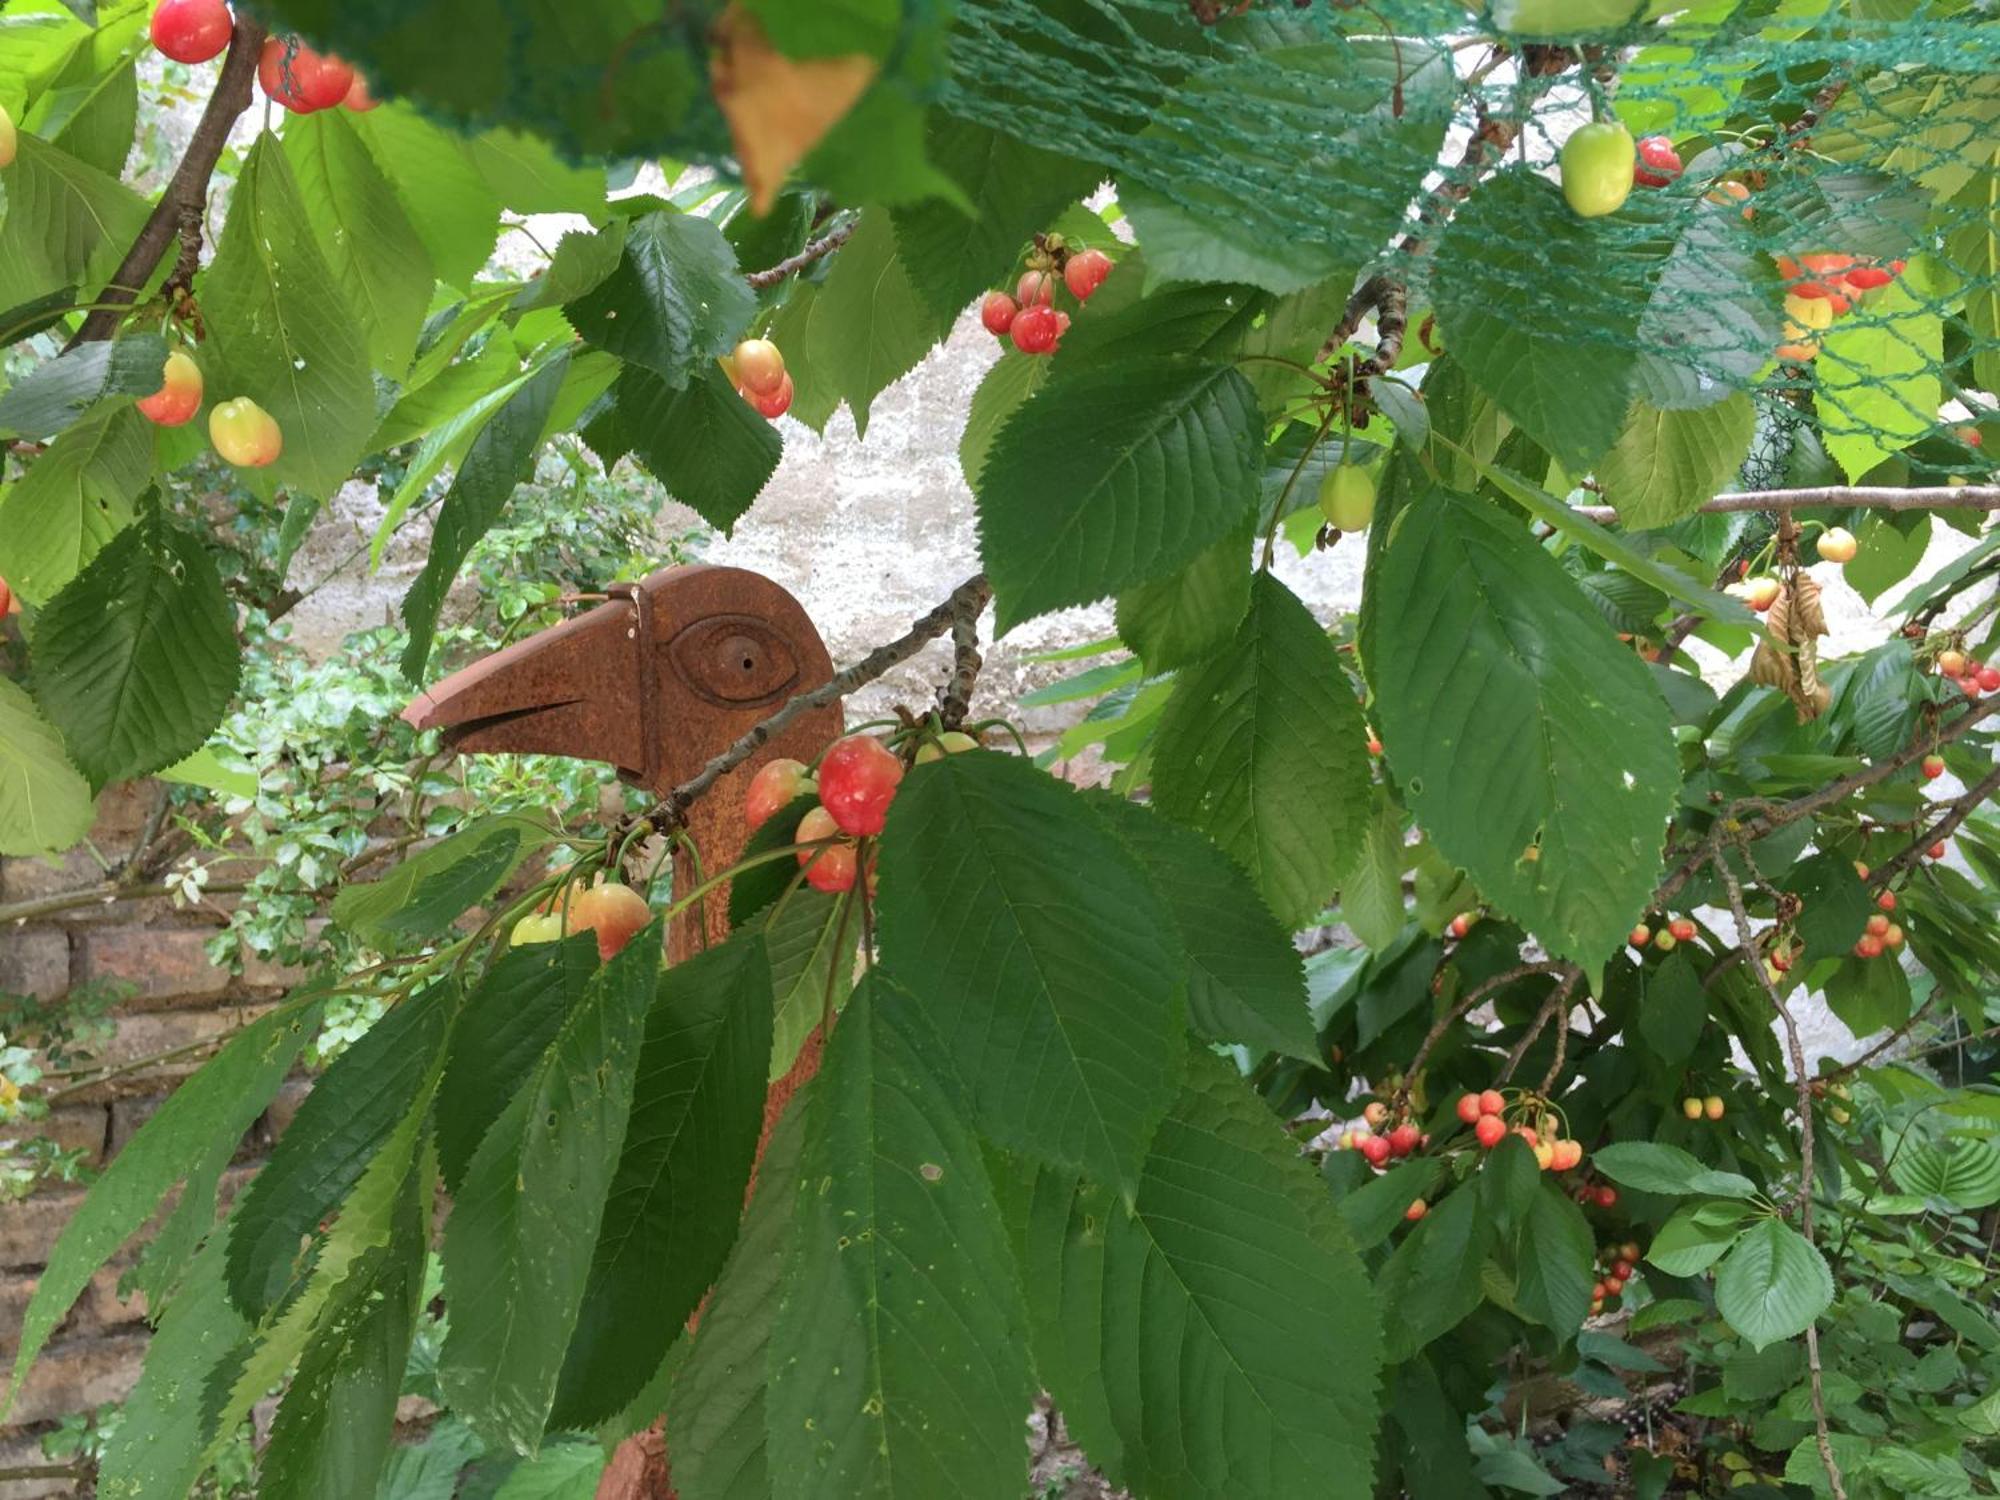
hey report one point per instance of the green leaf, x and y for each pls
(1051, 968)
(676, 299)
(73, 500)
(1433, 1280)
(1246, 982)
(812, 944)
(1193, 614)
(337, 1421)
(217, 1103)
(1373, 1211)
(528, 176)
(511, 1017)
(64, 223)
(706, 444)
(518, 1245)
(849, 337)
(1114, 477)
(1668, 464)
(136, 659)
(1515, 271)
(564, 1471)
(377, 259)
(1218, 1339)
(427, 892)
(454, 212)
(45, 806)
(1008, 383)
(1877, 376)
(1371, 889)
(501, 457)
(1655, 1167)
(671, 1214)
(353, 1108)
(579, 265)
(1263, 749)
(1696, 1237)
(1516, 722)
(1552, 1262)
(716, 1406)
(282, 332)
(1773, 1284)
(1673, 1010)
(52, 396)
(1963, 1173)
(1563, 18)
(904, 1368)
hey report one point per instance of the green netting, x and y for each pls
(1287, 146)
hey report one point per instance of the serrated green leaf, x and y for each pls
(377, 259)
(1673, 1010)
(1668, 464)
(1114, 477)
(136, 659)
(65, 223)
(54, 395)
(671, 1213)
(1007, 384)
(1552, 1262)
(675, 301)
(1655, 1167)
(218, 1102)
(73, 500)
(1052, 970)
(905, 1368)
(353, 1108)
(1432, 1279)
(428, 891)
(454, 212)
(527, 175)
(281, 331)
(1263, 749)
(1371, 889)
(1513, 268)
(1192, 615)
(1246, 982)
(580, 264)
(518, 1245)
(1484, 654)
(1373, 1211)
(1877, 376)
(1218, 1339)
(706, 444)
(501, 457)
(511, 1016)
(1696, 1237)
(45, 805)
(1772, 1284)
(812, 944)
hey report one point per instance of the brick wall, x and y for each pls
(177, 998)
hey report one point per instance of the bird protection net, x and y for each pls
(1828, 244)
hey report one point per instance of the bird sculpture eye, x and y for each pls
(733, 659)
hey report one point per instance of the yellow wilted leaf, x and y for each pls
(778, 107)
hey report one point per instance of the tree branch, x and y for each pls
(819, 249)
(955, 698)
(1557, 1003)
(1471, 999)
(675, 804)
(1839, 497)
(1944, 828)
(189, 188)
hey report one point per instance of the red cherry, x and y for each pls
(1492, 1102)
(1376, 1149)
(1878, 924)
(857, 781)
(359, 101)
(1606, 1196)
(192, 31)
(1867, 946)
(1936, 850)
(758, 364)
(771, 404)
(1887, 901)
(1461, 925)
(1035, 287)
(1969, 685)
(1374, 745)
(1417, 1209)
(1490, 1131)
(179, 395)
(1659, 163)
(1468, 1108)
(1035, 330)
(997, 312)
(1620, 1272)
(776, 785)
(1989, 679)
(1403, 1139)
(302, 80)
(614, 912)
(1085, 272)
(1867, 278)
(1932, 767)
(1639, 936)
(1683, 929)
(831, 868)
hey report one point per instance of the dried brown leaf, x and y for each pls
(778, 107)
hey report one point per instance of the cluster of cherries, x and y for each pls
(757, 369)
(1618, 1263)
(1679, 930)
(610, 911)
(1972, 677)
(1030, 317)
(1820, 288)
(1378, 1146)
(855, 781)
(1698, 1106)
(1486, 1111)
(291, 74)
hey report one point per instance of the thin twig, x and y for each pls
(1961, 809)
(1882, 1046)
(189, 188)
(1470, 1000)
(672, 807)
(1746, 943)
(819, 249)
(1556, 1004)
(1838, 497)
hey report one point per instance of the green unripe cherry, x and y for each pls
(1347, 497)
(1597, 169)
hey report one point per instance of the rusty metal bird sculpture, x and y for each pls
(657, 681)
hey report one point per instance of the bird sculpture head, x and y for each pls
(666, 675)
